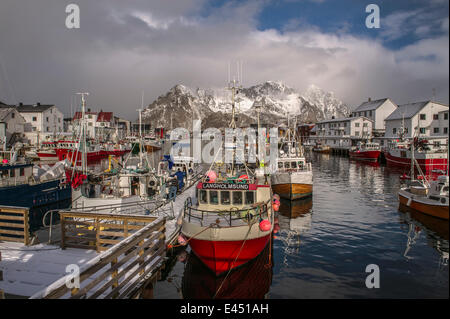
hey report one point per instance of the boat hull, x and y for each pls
(420, 204)
(365, 155)
(426, 164)
(293, 185)
(293, 191)
(222, 256)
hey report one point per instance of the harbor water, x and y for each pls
(324, 244)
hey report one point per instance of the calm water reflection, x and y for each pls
(324, 244)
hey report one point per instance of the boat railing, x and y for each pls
(232, 217)
(304, 168)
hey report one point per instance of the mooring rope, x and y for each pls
(231, 267)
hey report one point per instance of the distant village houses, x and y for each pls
(382, 121)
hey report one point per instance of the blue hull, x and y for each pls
(39, 198)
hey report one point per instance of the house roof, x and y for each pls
(3, 104)
(4, 111)
(36, 108)
(104, 116)
(407, 110)
(370, 105)
(343, 119)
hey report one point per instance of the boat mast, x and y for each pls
(83, 134)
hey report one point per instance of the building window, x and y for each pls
(365, 124)
(423, 117)
(33, 129)
(89, 116)
(13, 115)
(435, 116)
(356, 133)
(406, 130)
(422, 130)
(356, 124)
(437, 144)
(445, 130)
(370, 113)
(22, 171)
(48, 129)
(394, 130)
(436, 130)
(445, 116)
(34, 118)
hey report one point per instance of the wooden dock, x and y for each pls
(117, 255)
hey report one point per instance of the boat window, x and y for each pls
(237, 198)
(12, 173)
(5, 173)
(294, 164)
(249, 197)
(300, 164)
(286, 165)
(280, 164)
(22, 171)
(225, 198)
(203, 196)
(214, 197)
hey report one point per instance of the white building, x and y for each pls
(99, 124)
(377, 111)
(41, 121)
(12, 126)
(422, 119)
(343, 133)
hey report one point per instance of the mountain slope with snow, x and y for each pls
(181, 104)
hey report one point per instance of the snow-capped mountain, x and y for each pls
(179, 106)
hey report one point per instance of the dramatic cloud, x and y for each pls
(126, 47)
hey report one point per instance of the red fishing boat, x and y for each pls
(399, 155)
(232, 221)
(366, 152)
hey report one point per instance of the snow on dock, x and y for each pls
(30, 270)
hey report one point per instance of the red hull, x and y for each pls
(220, 256)
(427, 165)
(47, 155)
(365, 155)
(91, 156)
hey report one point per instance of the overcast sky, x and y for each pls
(125, 47)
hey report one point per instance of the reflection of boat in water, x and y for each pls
(437, 225)
(292, 223)
(250, 281)
(295, 208)
(435, 229)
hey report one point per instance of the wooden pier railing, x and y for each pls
(14, 224)
(120, 270)
(98, 231)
